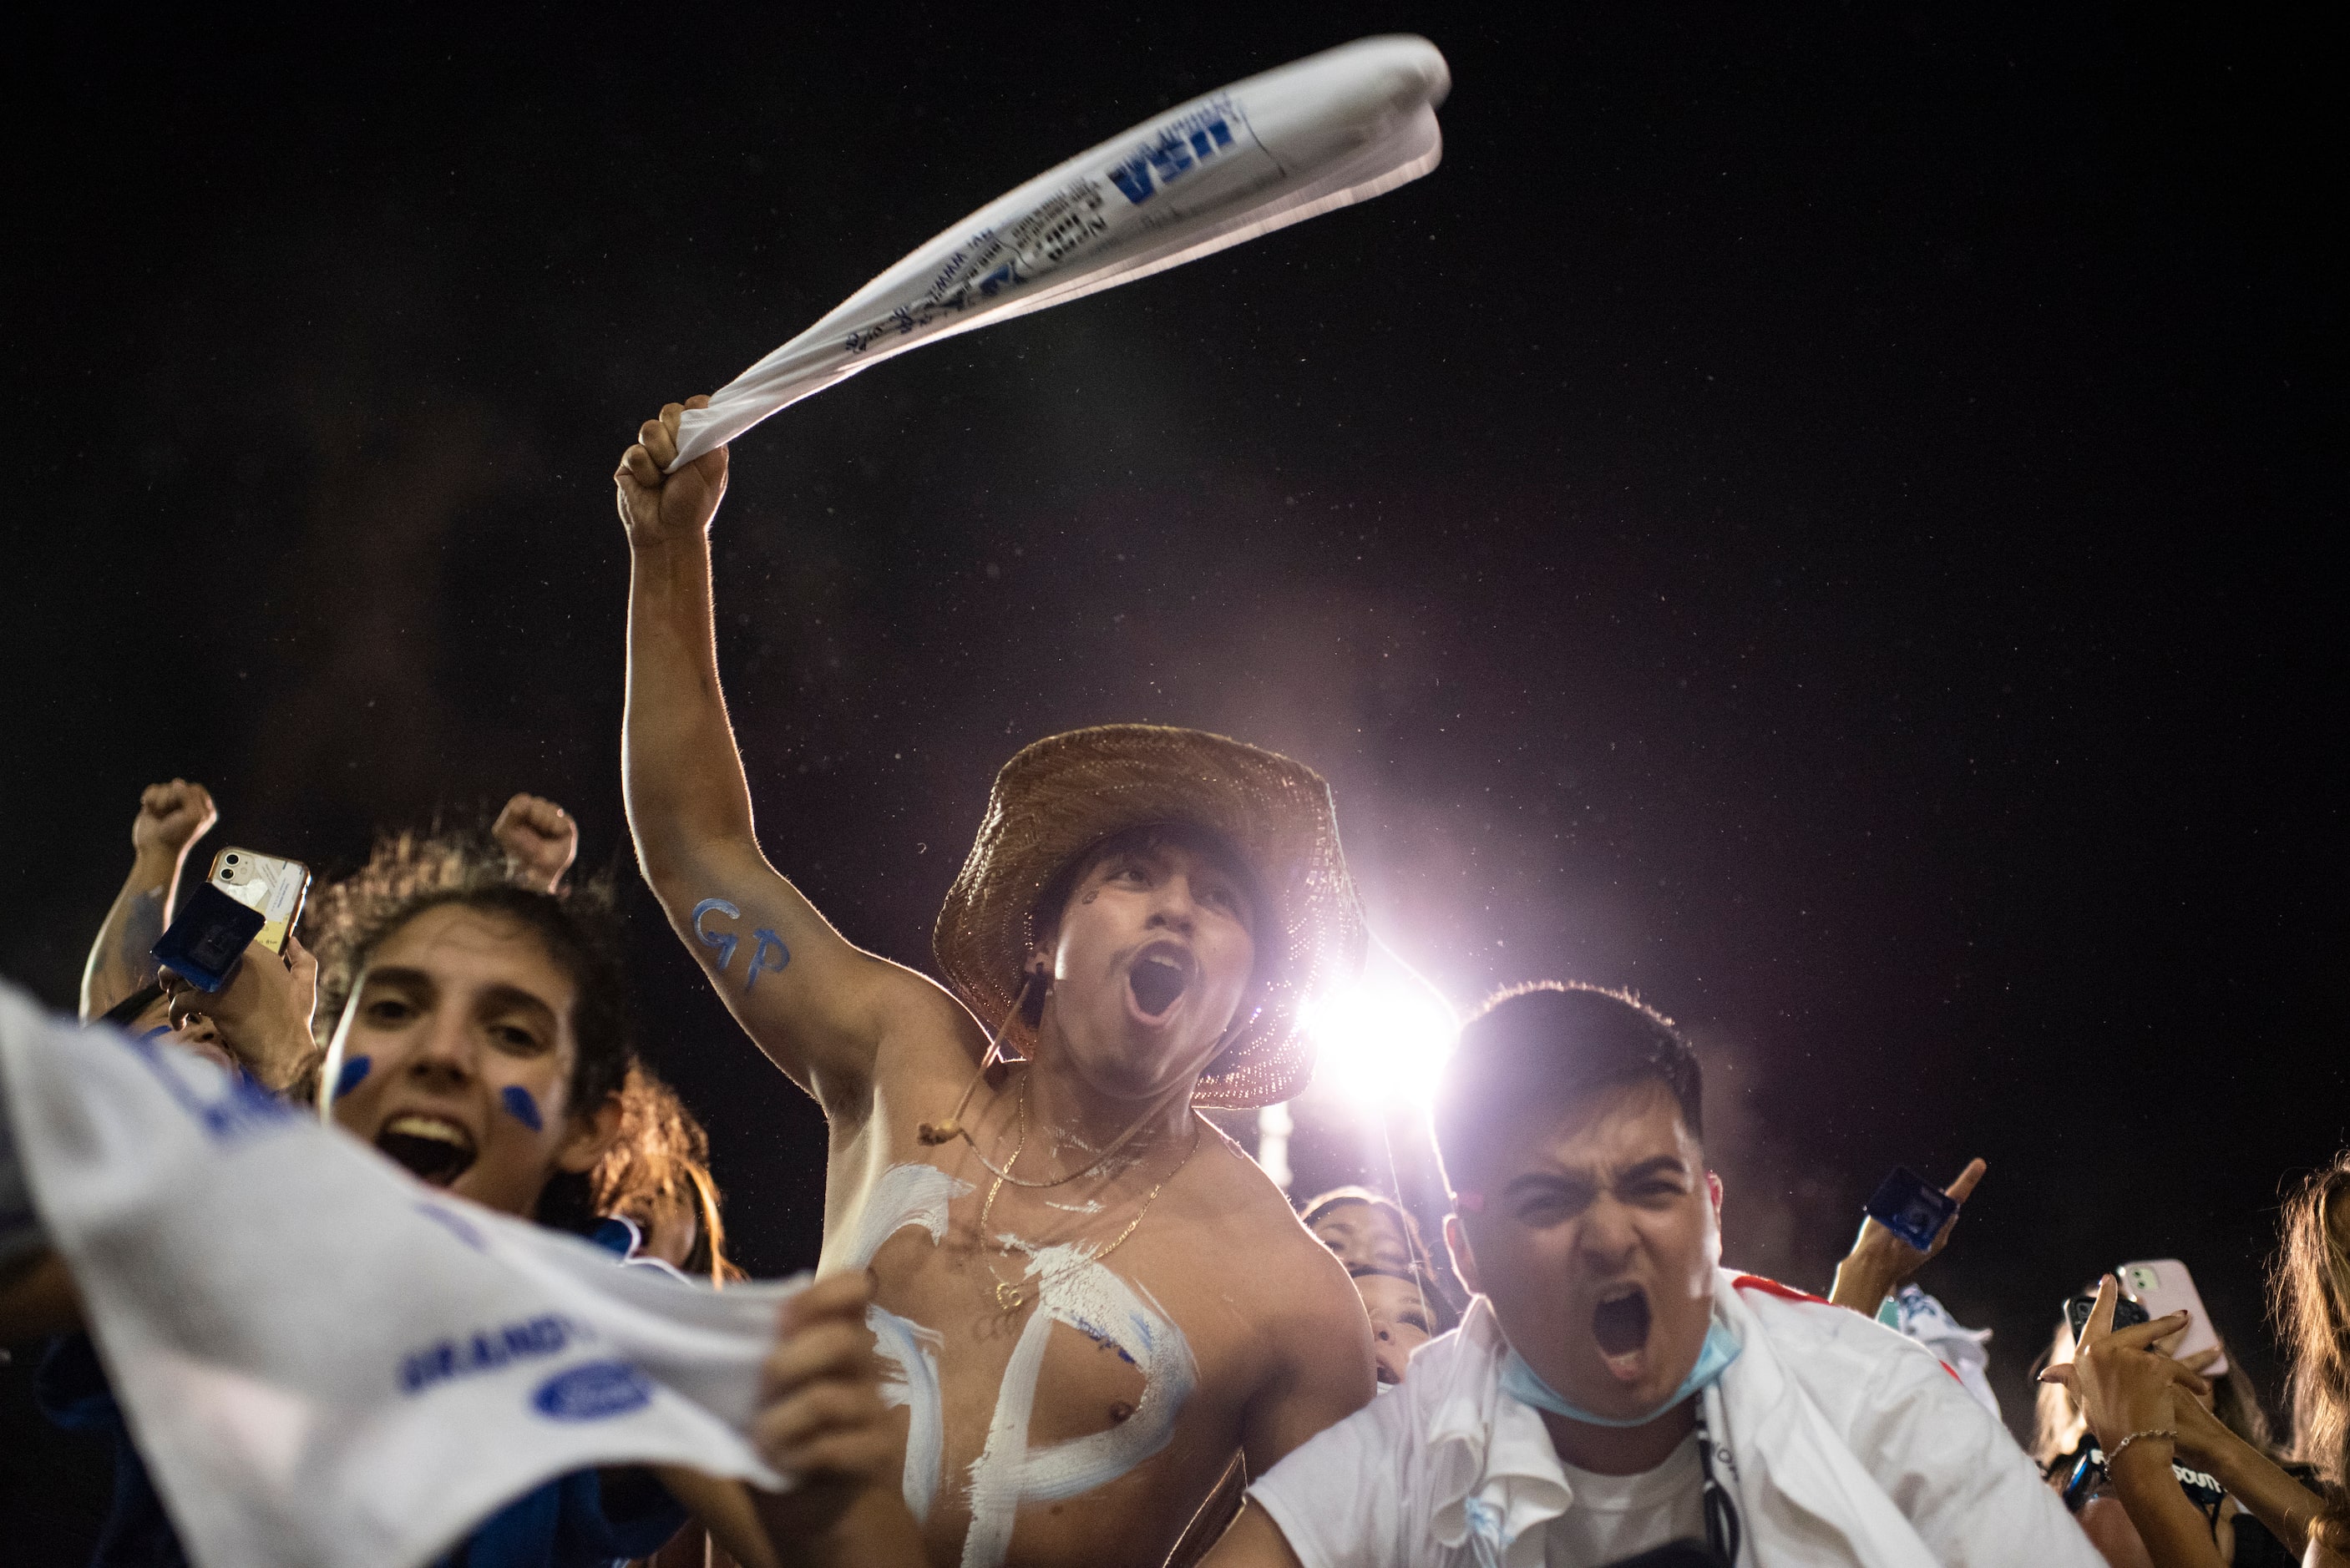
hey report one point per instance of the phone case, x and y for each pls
(1910, 1207)
(2163, 1286)
(2128, 1314)
(277, 888)
(207, 937)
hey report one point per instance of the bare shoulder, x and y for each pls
(1290, 1280)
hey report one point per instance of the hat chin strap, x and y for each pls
(931, 1134)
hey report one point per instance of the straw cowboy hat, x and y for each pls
(1067, 793)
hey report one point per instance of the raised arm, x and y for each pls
(819, 1006)
(171, 816)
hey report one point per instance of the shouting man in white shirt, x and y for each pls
(1612, 1388)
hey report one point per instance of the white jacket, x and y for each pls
(1842, 1442)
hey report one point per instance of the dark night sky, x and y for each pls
(1814, 516)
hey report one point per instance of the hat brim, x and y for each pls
(1063, 795)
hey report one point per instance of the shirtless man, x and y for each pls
(1142, 913)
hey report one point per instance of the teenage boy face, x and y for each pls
(1152, 959)
(1596, 1245)
(465, 1022)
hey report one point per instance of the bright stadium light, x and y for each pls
(1381, 1040)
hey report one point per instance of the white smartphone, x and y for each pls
(277, 888)
(2163, 1286)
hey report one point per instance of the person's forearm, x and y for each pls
(1859, 1286)
(681, 776)
(120, 960)
(2175, 1533)
(2272, 1496)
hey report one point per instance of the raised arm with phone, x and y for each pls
(1885, 1255)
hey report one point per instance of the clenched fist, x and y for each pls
(540, 839)
(171, 818)
(660, 508)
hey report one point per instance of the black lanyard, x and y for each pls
(1722, 1531)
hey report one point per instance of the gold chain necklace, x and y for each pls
(1011, 1296)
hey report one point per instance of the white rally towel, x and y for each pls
(326, 1364)
(1342, 126)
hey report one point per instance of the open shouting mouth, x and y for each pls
(435, 1150)
(1619, 1324)
(1159, 976)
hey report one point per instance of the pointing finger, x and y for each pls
(2101, 1314)
(1965, 1184)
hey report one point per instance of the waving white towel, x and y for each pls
(326, 1364)
(1341, 126)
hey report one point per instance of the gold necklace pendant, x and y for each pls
(1009, 1298)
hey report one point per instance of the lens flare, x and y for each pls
(1381, 1042)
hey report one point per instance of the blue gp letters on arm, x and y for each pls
(724, 942)
(768, 952)
(768, 943)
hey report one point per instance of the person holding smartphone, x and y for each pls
(2225, 1461)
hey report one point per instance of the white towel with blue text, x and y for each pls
(326, 1364)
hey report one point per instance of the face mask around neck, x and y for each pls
(1521, 1383)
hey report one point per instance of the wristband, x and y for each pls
(2114, 1453)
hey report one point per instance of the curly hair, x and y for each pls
(662, 1157)
(2309, 1294)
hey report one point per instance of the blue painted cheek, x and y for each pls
(354, 1074)
(520, 1106)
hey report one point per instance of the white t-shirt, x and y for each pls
(1616, 1516)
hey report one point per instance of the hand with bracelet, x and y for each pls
(2128, 1393)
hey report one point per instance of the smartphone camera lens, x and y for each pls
(232, 861)
(228, 876)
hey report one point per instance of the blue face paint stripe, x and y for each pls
(354, 1074)
(520, 1106)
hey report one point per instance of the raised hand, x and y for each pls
(2123, 1383)
(1881, 1263)
(660, 508)
(540, 839)
(171, 818)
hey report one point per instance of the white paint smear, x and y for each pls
(909, 1195)
(1083, 1294)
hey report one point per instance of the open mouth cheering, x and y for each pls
(435, 1150)
(1160, 974)
(1619, 1324)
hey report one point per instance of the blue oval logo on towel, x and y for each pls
(593, 1391)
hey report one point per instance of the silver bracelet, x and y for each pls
(2172, 1432)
